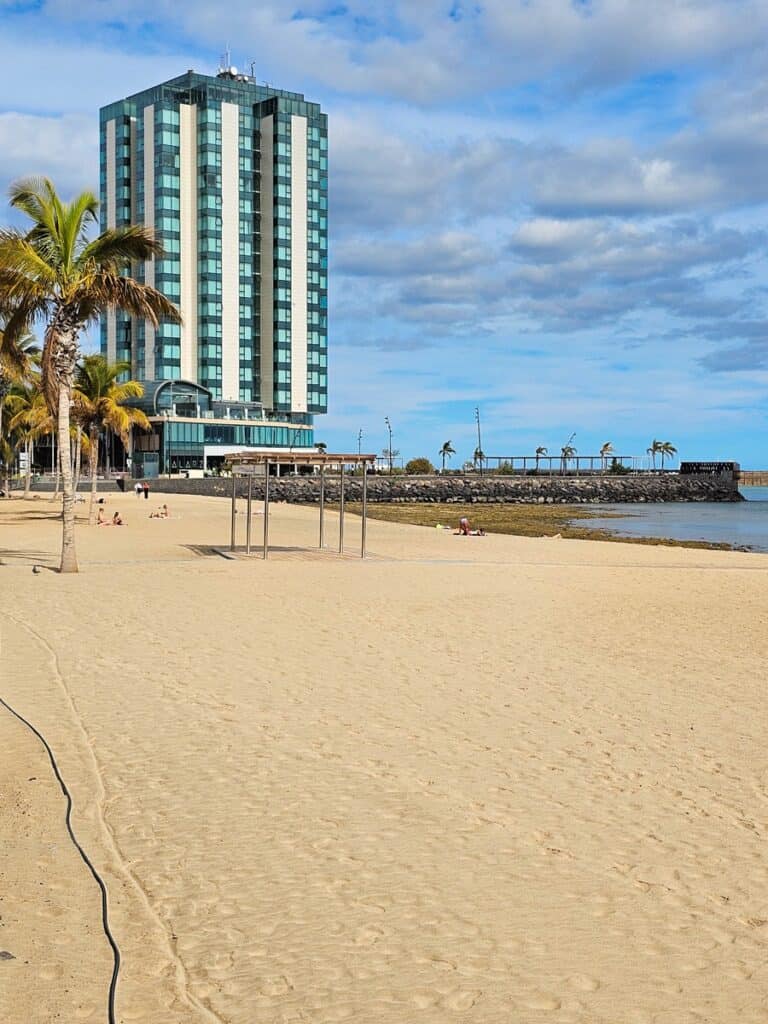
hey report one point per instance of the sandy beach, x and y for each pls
(487, 780)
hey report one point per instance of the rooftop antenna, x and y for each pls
(253, 66)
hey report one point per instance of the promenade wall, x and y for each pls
(472, 489)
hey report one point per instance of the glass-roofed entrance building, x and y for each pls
(191, 430)
(233, 177)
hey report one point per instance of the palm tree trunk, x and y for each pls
(78, 457)
(68, 553)
(93, 455)
(28, 476)
(57, 469)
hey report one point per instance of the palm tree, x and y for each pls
(390, 454)
(53, 272)
(9, 446)
(540, 451)
(446, 452)
(605, 451)
(566, 452)
(99, 405)
(666, 448)
(321, 447)
(30, 416)
(654, 450)
(17, 361)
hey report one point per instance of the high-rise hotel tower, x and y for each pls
(233, 177)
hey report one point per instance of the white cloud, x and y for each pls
(62, 148)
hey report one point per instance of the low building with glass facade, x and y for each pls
(233, 177)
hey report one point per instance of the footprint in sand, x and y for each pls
(277, 986)
(368, 935)
(85, 1011)
(437, 962)
(461, 1001)
(424, 999)
(584, 983)
(540, 1001)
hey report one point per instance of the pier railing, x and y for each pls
(576, 465)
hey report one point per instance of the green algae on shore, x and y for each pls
(519, 520)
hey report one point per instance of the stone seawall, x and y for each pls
(471, 489)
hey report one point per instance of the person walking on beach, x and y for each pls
(145, 488)
(139, 489)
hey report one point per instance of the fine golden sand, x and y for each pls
(497, 780)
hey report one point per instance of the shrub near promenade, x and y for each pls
(416, 466)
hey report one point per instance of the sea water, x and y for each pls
(743, 523)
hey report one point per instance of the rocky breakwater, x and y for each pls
(475, 489)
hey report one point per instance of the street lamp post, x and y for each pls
(479, 440)
(389, 450)
(360, 441)
(167, 442)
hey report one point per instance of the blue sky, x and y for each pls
(554, 210)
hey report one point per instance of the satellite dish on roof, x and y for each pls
(233, 71)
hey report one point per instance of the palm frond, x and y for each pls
(75, 219)
(118, 247)
(32, 196)
(22, 263)
(107, 288)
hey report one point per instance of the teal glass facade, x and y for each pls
(173, 157)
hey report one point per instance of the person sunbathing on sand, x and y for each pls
(160, 513)
(463, 530)
(116, 520)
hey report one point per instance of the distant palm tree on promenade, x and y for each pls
(654, 450)
(99, 399)
(446, 452)
(666, 448)
(605, 451)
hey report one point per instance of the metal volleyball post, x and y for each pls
(234, 510)
(365, 508)
(248, 523)
(322, 504)
(341, 510)
(266, 508)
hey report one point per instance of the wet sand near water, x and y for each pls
(470, 779)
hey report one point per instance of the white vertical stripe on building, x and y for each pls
(230, 251)
(111, 219)
(149, 221)
(267, 354)
(188, 231)
(135, 372)
(298, 263)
